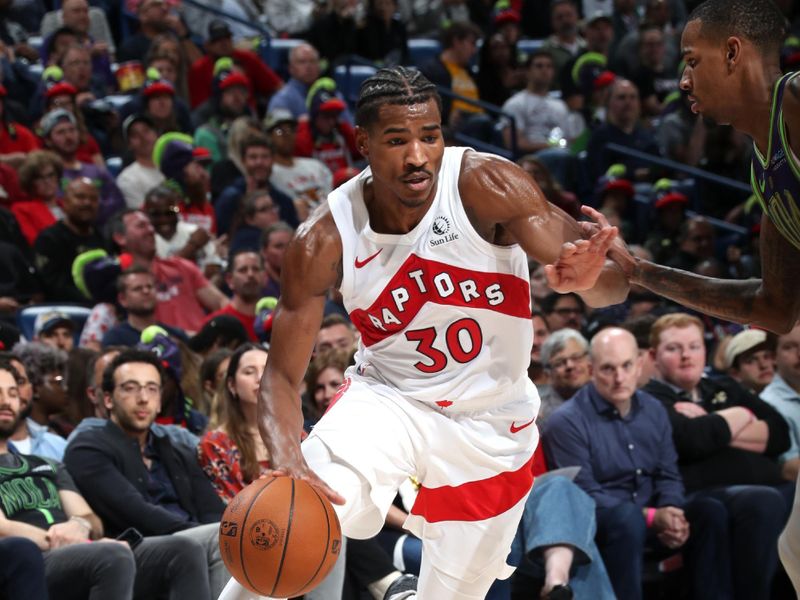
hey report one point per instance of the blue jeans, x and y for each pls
(558, 513)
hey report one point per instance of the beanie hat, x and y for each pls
(155, 84)
(665, 194)
(226, 77)
(53, 78)
(95, 274)
(171, 153)
(322, 97)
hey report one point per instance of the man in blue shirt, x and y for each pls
(622, 440)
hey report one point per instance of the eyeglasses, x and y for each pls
(43, 176)
(266, 208)
(56, 381)
(134, 388)
(284, 129)
(562, 362)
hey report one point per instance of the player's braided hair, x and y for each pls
(758, 21)
(397, 85)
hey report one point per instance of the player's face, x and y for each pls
(680, 356)
(405, 148)
(704, 76)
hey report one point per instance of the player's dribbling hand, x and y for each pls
(302, 471)
(579, 264)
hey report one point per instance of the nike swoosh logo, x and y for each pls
(363, 263)
(515, 428)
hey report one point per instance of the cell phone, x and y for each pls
(132, 536)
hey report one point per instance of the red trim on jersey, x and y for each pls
(516, 300)
(475, 500)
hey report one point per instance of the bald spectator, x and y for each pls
(303, 70)
(184, 294)
(60, 134)
(58, 245)
(622, 127)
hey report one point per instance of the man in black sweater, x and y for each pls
(135, 478)
(728, 442)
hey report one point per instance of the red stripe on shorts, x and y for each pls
(475, 500)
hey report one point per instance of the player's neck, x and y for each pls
(755, 108)
(388, 214)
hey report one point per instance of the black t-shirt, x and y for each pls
(650, 82)
(17, 276)
(54, 250)
(29, 487)
(126, 334)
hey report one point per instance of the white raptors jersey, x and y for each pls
(444, 315)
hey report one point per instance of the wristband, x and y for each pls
(651, 517)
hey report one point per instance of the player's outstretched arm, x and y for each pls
(772, 302)
(505, 201)
(312, 266)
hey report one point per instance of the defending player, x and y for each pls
(733, 75)
(428, 247)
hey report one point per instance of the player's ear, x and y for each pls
(362, 141)
(733, 51)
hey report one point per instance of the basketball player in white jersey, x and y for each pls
(428, 247)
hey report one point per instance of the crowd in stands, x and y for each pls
(155, 160)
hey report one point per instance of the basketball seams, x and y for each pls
(327, 543)
(242, 536)
(285, 540)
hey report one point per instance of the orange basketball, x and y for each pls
(279, 537)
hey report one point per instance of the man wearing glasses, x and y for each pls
(564, 310)
(133, 477)
(565, 356)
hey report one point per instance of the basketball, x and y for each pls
(279, 537)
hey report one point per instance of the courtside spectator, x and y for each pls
(46, 370)
(137, 478)
(750, 359)
(565, 355)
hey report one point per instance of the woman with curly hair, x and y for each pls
(39, 177)
(46, 368)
